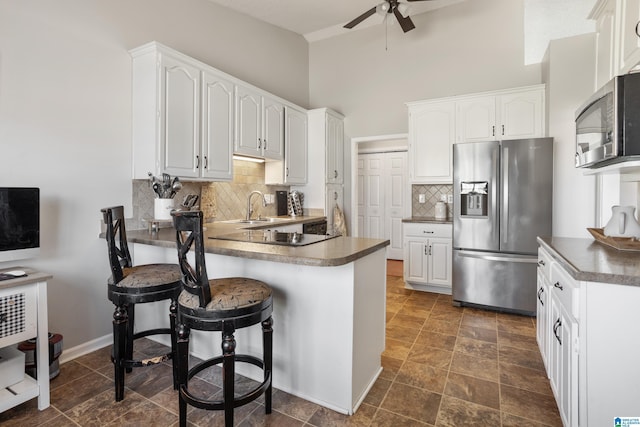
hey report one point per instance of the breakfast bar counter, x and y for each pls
(328, 309)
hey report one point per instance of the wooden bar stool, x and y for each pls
(221, 305)
(130, 285)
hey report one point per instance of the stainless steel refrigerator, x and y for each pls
(502, 202)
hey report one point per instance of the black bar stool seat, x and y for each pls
(223, 305)
(130, 285)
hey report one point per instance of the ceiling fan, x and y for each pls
(388, 7)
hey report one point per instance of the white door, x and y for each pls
(382, 179)
(395, 184)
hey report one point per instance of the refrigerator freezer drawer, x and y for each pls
(505, 281)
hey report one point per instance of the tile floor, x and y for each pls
(443, 366)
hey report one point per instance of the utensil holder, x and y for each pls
(162, 208)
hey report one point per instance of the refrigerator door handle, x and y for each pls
(504, 220)
(484, 256)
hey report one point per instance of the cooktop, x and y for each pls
(274, 237)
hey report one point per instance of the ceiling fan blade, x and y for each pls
(361, 18)
(405, 23)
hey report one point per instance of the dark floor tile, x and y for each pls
(101, 409)
(455, 412)
(385, 418)
(524, 378)
(509, 420)
(139, 416)
(414, 310)
(527, 404)
(150, 380)
(390, 368)
(431, 356)
(27, 413)
(396, 349)
(327, 418)
(203, 417)
(477, 333)
(412, 402)
(422, 376)
(478, 348)
(517, 325)
(479, 320)
(69, 371)
(482, 392)
(526, 358)
(441, 326)
(400, 333)
(377, 392)
(436, 340)
(96, 359)
(486, 369)
(275, 419)
(408, 321)
(293, 406)
(76, 392)
(526, 342)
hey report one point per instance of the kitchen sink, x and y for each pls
(255, 221)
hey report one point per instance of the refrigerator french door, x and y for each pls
(502, 202)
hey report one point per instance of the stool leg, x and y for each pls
(228, 372)
(267, 348)
(131, 313)
(182, 362)
(120, 321)
(174, 342)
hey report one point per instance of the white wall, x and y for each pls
(569, 70)
(65, 119)
(472, 46)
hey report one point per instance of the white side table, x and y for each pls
(25, 306)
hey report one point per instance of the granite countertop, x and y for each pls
(429, 219)
(590, 261)
(333, 252)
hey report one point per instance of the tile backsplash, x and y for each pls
(218, 200)
(432, 195)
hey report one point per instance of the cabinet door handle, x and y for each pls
(287, 173)
(335, 173)
(425, 250)
(206, 162)
(259, 143)
(502, 129)
(541, 263)
(493, 131)
(265, 144)
(558, 285)
(197, 162)
(638, 29)
(557, 326)
(540, 292)
(429, 250)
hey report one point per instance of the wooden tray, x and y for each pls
(619, 243)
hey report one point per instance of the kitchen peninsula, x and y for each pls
(328, 309)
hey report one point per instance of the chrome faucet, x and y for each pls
(249, 210)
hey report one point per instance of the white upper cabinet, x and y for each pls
(260, 125)
(431, 136)
(218, 112)
(294, 169)
(628, 35)
(182, 116)
(618, 38)
(334, 149)
(511, 114)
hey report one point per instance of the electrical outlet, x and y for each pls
(421, 198)
(443, 198)
(449, 198)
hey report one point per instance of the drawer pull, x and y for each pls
(427, 232)
(540, 292)
(558, 285)
(541, 263)
(557, 326)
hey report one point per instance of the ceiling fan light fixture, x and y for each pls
(382, 8)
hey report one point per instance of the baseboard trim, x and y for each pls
(85, 348)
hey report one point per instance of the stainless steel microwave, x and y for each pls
(608, 124)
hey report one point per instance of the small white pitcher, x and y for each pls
(162, 208)
(622, 223)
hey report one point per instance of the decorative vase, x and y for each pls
(622, 223)
(162, 208)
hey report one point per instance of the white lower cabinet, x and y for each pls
(428, 256)
(587, 336)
